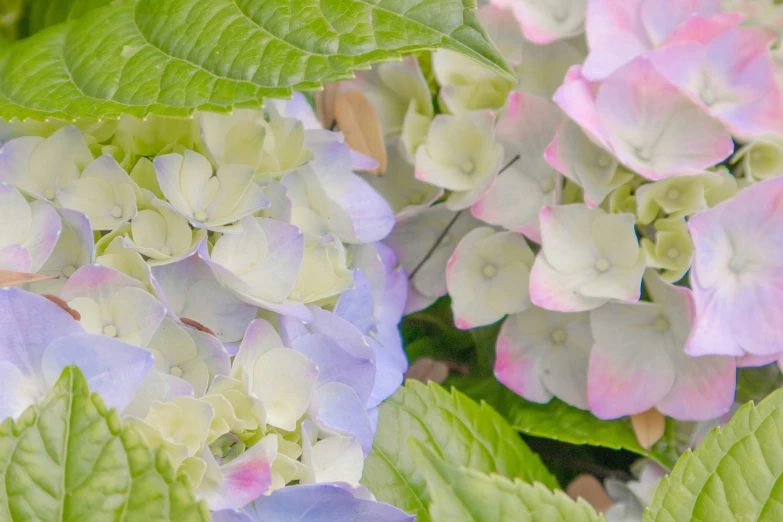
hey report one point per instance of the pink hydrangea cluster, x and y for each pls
(618, 204)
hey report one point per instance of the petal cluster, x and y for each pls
(221, 284)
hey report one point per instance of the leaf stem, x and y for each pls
(449, 226)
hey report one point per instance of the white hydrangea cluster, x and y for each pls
(233, 299)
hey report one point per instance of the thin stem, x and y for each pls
(448, 227)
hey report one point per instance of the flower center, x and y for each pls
(738, 263)
(49, 194)
(109, 330)
(559, 336)
(602, 265)
(604, 161)
(661, 324)
(467, 167)
(166, 251)
(673, 194)
(489, 271)
(226, 448)
(116, 211)
(200, 216)
(176, 371)
(643, 153)
(69, 270)
(673, 253)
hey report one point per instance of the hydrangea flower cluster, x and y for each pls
(618, 205)
(225, 290)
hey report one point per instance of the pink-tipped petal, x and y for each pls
(656, 129)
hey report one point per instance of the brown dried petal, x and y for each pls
(361, 127)
(198, 326)
(62, 304)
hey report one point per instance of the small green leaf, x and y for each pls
(466, 495)
(559, 421)
(735, 473)
(171, 57)
(459, 430)
(71, 460)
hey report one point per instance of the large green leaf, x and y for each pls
(174, 56)
(71, 460)
(466, 495)
(735, 473)
(558, 421)
(459, 430)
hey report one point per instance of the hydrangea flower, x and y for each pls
(543, 354)
(347, 370)
(328, 189)
(488, 277)
(672, 249)
(196, 357)
(683, 196)
(529, 183)
(190, 290)
(38, 339)
(467, 85)
(761, 158)
(545, 21)
(280, 377)
(75, 248)
(620, 30)
(207, 200)
(242, 262)
(413, 238)
(41, 166)
(245, 137)
(731, 75)
(460, 155)
(591, 167)
(324, 271)
(587, 258)
(654, 370)
(315, 503)
(104, 193)
(28, 231)
(733, 274)
(154, 135)
(112, 304)
(225, 481)
(161, 234)
(648, 123)
(375, 306)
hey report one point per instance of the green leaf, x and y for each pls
(71, 460)
(459, 430)
(173, 56)
(11, 11)
(40, 14)
(560, 421)
(466, 495)
(735, 473)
